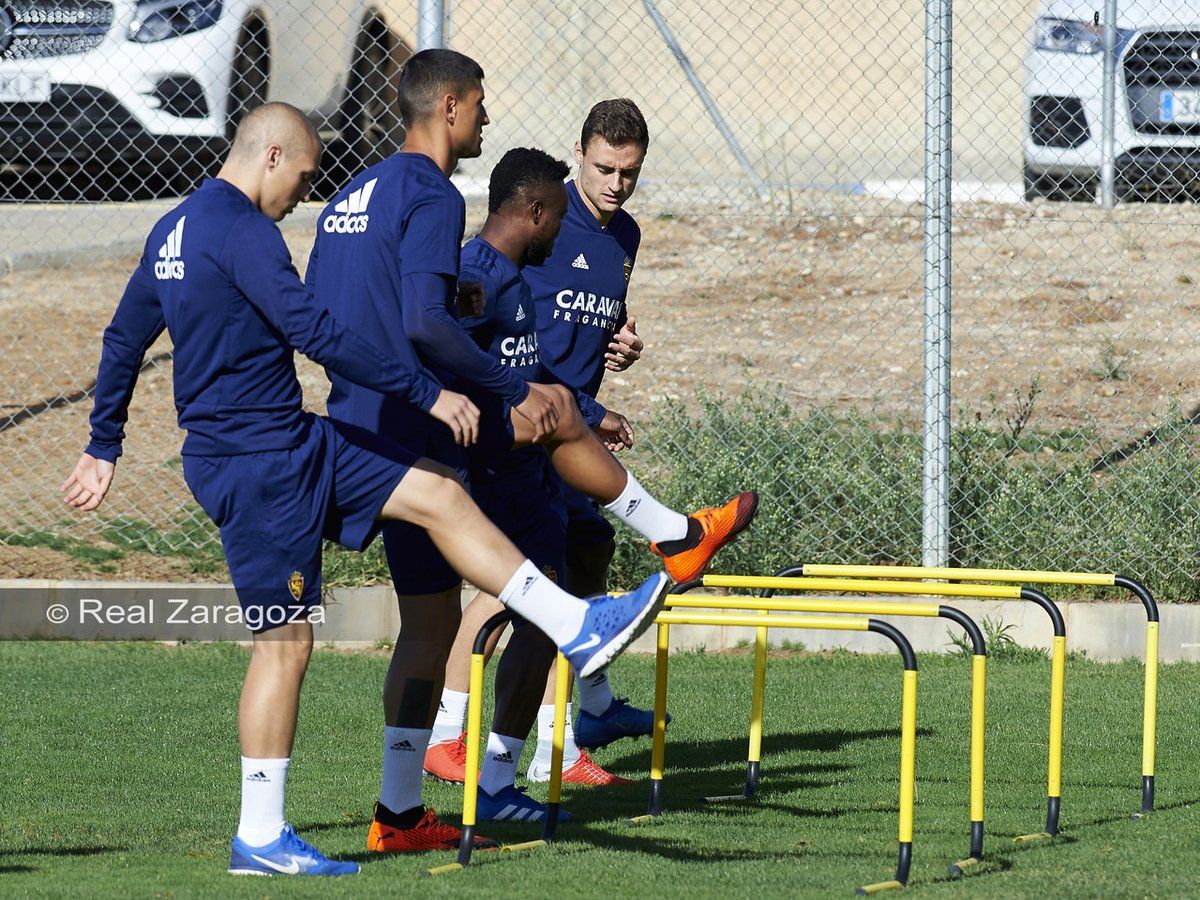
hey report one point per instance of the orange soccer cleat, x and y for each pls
(587, 771)
(447, 760)
(686, 558)
(428, 834)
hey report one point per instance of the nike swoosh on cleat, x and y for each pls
(292, 868)
(593, 641)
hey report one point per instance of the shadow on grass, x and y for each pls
(12, 868)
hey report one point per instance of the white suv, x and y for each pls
(98, 81)
(1157, 108)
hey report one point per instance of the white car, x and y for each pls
(1157, 108)
(98, 81)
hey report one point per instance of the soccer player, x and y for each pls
(386, 260)
(584, 330)
(276, 480)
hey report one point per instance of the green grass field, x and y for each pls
(119, 776)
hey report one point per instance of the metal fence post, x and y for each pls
(1108, 167)
(935, 519)
(431, 24)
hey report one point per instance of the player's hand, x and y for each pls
(88, 484)
(626, 348)
(471, 299)
(540, 410)
(458, 413)
(616, 432)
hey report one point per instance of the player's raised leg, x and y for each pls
(685, 542)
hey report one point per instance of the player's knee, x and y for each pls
(587, 565)
(287, 648)
(428, 494)
(570, 422)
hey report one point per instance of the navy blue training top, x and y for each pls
(218, 276)
(507, 331)
(386, 262)
(580, 291)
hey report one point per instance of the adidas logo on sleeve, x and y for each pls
(353, 218)
(169, 266)
(580, 263)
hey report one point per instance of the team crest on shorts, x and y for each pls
(628, 269)
(296, 584)
(549, 572)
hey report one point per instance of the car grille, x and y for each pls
(1157, 60)
(43, 28)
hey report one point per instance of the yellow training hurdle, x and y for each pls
(1088, 579)
(1005, 592)
(474, 739)
(766, 605)
(908, 715)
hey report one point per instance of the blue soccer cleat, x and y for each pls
(512, 804)
(288, 854)
(613, 623)
(618, 721)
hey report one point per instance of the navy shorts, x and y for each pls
(416, 564)
(526, 504)
(274, 508)
(585, 523)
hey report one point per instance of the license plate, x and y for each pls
(24, 87)
(1180, 107)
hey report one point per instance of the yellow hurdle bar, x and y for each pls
(804, 604)
(562, 694)
(1031, 577)
(850, 585)
(831, 623)
(1150, 716)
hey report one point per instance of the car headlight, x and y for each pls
(1068, 36)
(157, 20)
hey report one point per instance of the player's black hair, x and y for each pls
(428, 76)
(520, 172)
(619, 122)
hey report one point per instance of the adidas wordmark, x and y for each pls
(169, 265)
(353, 218)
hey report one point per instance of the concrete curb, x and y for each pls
(366, 616)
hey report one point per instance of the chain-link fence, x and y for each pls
(781, 282)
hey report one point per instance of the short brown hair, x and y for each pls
(619, 122)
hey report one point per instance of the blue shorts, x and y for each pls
(274, 508)
(585, 523)
(416, 564)
(524, 502)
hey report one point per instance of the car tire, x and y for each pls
(249, 76)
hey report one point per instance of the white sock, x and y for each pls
(545, 741)
(595, 693)
(499, 768)
(452, 712)
(645, 515)
(263, 782)
(403, 762)
(531, 594)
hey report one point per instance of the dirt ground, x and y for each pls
(822, 297)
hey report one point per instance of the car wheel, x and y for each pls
(370, 126)
(249, 76)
